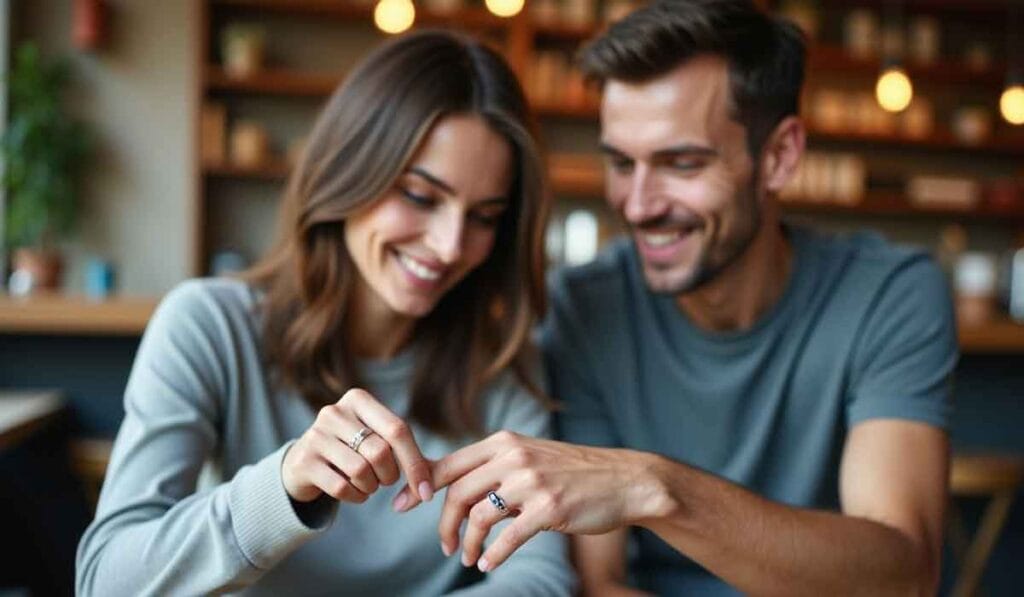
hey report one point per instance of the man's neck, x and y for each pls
(747, 289)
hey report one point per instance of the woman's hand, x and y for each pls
(330, 459)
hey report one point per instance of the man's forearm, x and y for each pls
(766, 548)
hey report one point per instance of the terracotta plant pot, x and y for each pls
(44, 267)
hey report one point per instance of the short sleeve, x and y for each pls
(907, 350)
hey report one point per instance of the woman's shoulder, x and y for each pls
(210, 303)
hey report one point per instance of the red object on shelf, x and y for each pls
(89, 24)
(1005, 193)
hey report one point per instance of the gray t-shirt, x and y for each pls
(199, 393)
(864, 330)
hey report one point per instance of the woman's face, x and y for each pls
(439, 221)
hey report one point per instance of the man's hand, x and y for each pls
(547, 485)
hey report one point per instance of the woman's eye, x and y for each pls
(417, 200)
(489, 220)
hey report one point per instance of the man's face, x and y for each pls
(679, 172)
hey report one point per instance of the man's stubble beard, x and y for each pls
(705, 270)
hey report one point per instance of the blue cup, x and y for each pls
(100, 278)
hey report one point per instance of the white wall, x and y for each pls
(137, 95)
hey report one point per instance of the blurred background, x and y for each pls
(148, 142)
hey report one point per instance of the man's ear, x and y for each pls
(782, 153)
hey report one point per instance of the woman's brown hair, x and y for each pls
(360, 144)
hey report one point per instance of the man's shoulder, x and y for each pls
(866, 259)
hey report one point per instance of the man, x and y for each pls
(763, 405)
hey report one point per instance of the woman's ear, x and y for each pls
(782, 153)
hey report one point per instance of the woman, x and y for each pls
(409, 264)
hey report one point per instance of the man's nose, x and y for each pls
(641, 203)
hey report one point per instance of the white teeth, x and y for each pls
(660, 240)
(418, 269)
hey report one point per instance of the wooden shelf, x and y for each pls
(273, 82)
(72, 315)
(897, 205)
(832, 60)
(940, 141)
(1000, 336)
(327, 8)
(566, 31)
(476, 18)
(579, 175)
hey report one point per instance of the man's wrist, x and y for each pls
(649, 495)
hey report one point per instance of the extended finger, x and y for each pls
(461, 497)
(399, 436)
(512, 537)
(482, 517)
(457, 464)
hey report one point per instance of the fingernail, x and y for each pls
(426, 493)
(401, 500)
(483, 565)
(445, 549)
(466, 561)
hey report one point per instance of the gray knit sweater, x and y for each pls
(198, 395)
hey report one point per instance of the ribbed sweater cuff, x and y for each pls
(266, 525)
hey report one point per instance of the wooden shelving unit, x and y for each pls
(1000, 336)
(272, 82)
(73, 315)
(582, 176)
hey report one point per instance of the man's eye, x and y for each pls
(686, 165)
(620, 165)
(417, 200)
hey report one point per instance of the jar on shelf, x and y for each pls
(924, 40)
(861, 33)
(242, 49)
(544, 12)
(972, 124)
(578, 12)
(975, 284)
(443, 6)
(250, 144)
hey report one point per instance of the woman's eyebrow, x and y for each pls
(437, 182)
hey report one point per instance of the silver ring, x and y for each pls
(497, 502)
(357, 439)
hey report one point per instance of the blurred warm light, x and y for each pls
(1011, 104)
(893, 90)
(394, 16)
(505, 8)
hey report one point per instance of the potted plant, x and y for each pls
(43, 151)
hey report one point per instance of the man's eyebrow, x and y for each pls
(437, 182)
(448, 188)
(683, 149)
(686, 149)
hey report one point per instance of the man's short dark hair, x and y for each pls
(765, 55)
